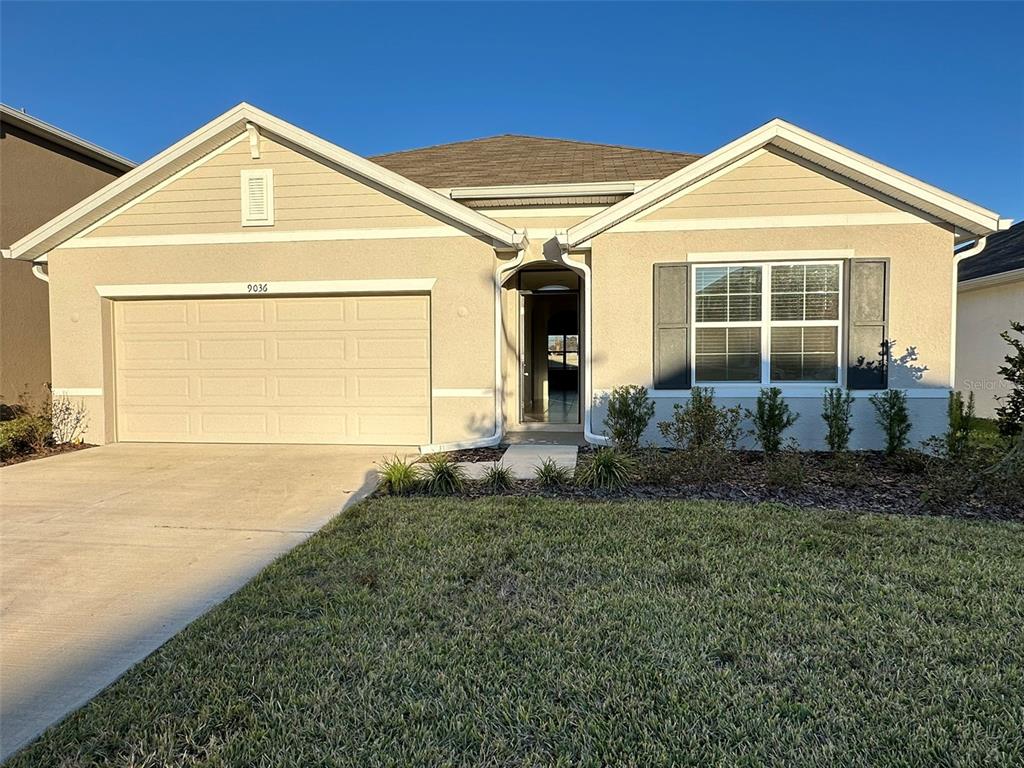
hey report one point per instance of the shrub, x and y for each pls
(498, 477)
(836, 408)
(607, 468)
(785, 469)
(1010, 413)
(846, 470)
(892, 416)
(443, 476)
(551, 474)
(947, 484)
(630, 410)
(771, 417)
(1003, 480)
(69, 420)
(19, 436)
(957, 439)
(398, 476)
(700, 423)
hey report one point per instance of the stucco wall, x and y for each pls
(462, 310)
(38, 180)
(982, 314)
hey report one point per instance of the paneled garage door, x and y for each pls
(351, 369)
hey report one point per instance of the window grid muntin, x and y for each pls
(766, 323)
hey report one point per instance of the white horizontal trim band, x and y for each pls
(257, 289)
(78, 391)
(264, 236)
(793, 391)
(544, 190)
(469, 392)
(776, 222)
(770, 255)
(990, 280)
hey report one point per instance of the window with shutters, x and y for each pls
(258, 198)
(766, 323)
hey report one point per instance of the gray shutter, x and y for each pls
(868, 323)
(671, 326)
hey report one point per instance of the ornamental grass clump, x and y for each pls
(444, 477)
(630, 410)
(497, 478)
(771, 417)
(398, 477)
(892, 416)
(607, 469)
(550, 474)
(836, 408)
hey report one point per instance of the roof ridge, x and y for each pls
(537, 138)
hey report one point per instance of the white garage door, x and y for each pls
(351, 369)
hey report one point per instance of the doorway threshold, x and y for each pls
(539, 437)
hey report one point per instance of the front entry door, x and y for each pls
(549, 357)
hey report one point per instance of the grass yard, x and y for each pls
(530, 632)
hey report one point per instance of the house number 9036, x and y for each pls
(258, 288)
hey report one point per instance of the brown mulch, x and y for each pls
(475, 455)
(54, 450)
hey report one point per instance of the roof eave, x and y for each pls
(63, 138)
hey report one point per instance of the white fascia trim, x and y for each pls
(264, 236)
(546, 212)
(776, 222)
(259, 289)
(802, 143)
(791, 391)
(544, 190)
(78, 391)
(989, 281)
(235, 120)
(817, 255)
(64, 138)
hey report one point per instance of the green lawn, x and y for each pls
(530, 632)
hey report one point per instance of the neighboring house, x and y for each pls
(254, 283)
(991, 295)
(43, 171)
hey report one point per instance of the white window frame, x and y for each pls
(766, 324)
(267, 174)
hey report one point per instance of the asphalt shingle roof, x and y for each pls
(514, 159)
(1004, 251)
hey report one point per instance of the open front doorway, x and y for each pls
(549, 347)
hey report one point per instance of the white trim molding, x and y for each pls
(792, 392)
(487, 392)
(545, 190)
(258, 288)
(776, 222)
(730, 256)
(78, 391)
(989, 281)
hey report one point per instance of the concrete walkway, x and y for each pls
(523, 460)
(108, 552)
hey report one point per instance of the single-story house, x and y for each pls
(43, 171)
(256, 283)
(991, 294)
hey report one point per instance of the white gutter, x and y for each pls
(39, 270)
(499, 346)
(588, 348)
(974, 250)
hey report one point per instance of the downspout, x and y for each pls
(39, 270)
(499, 388)
(974, 250)
(588, 348)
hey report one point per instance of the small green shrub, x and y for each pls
(892, 416)
(785, 469)
(706, 465)
(1010, 413)
(700, 423)
(957, 440)
(847, 470)
(946, 484)
(836, 408)
(398, 476)
(443, 476)
(655, 466)
(498, 478)
(630, 410)
(1003, 480)
(606, 468)
(550, 474)
(23, 435)
(771, 417)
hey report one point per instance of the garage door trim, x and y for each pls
(266, 288)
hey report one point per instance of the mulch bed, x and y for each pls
(54, 450)
(476, 455)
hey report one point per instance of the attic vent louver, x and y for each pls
(258, 198)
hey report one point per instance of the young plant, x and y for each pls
(961, 422)
(700, 423)
(785, 469)
(398, 476)
(498, 478)
(892, 416)
(444, 477)
(836, 408)
(551, 474)
(630, 410)
(607, 468)
(70, 419)
(771, 417)
(1010, 413)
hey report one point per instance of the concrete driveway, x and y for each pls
(108, 552)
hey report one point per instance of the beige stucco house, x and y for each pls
(43, 171)
(255, 283)
(991, 294)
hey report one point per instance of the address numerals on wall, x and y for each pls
(258, 288)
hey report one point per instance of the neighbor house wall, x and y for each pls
(982, 314)
(38, 180)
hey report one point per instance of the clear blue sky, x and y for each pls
(936, 90)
